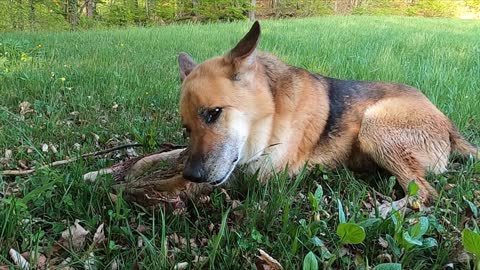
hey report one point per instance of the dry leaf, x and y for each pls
(77, 146)
(115, 265)
(181, 266)
(99, 236)
(89, 263)
(141, 228)
(38, 259)
(75, 235)
(4, 267)
(8, 157)
(383, 242)
(18, 259)
(53, 148)
(25, 107)
(114, 106)
(267, 260)
(45, 147)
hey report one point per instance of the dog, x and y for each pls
(249, 108)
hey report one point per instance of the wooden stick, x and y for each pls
(66, 161)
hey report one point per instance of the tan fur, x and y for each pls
(282, 114)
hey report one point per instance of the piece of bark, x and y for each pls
(154, 178)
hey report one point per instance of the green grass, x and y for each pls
(137, 70)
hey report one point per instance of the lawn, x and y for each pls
(96, 89)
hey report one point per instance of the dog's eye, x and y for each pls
(212, 115)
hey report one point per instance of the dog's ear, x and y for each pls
(186, 63)
(244, 53)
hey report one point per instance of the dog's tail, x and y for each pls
(461, 145)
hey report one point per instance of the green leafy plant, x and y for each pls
(471, 242)
(349, 233)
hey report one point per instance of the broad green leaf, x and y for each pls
(319, 193)
(471, 241)
(473, 207)
(388, 266)
(429, 242)
(316, 241)
(412, 188)
(393, 245)
(341, 214)
(419, 229)
(411, 240)
(350, 233)
(310, 262)
(369, 222)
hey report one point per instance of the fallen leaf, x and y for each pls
(8, 154)
(383, 242)
(267, 260)
(53, 148)
(25, 107)
(99, 236)
(141, 228)
(18, 259)
(4, 267)
(75, 235)
(23, 164)
(384, 258)
(89, 263)
(45, 147)
(77, 146)
(115, 264)
(181, 266)
(39, 260)
(114, 106)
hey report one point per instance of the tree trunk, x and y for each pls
(251, 13)
(90, 7)
(71, 13)
(31, 15)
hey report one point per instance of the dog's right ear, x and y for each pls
(244, 53)
(186, 64)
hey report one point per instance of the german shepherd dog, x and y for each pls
(249, 108)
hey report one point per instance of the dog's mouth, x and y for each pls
(226, 177)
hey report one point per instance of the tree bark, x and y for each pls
(31, 15)
(251, 13)
(91, 8)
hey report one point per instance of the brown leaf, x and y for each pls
(267, 262)
(383, 242)
(18, 259)
(99, 236)
(4, 267)
(39, 260)
(25, 107)
(45, 147)
(181, 266)
(75, 235)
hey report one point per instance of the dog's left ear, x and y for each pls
(244, 54)
(186, 64)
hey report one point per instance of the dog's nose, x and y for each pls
(194, 172)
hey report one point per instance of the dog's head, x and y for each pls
(221, 99)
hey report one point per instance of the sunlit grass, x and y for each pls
(123, 85)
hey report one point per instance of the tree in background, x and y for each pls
(32, 15)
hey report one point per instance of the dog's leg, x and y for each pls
(402, 163)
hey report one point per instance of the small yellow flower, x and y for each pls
(39, 46)
(62, 79)
(24, 57)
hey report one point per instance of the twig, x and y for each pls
(66, 161)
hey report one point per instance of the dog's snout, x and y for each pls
(194, 171)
